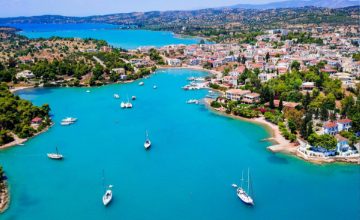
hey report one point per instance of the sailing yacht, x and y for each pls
(147, 143)
(242, 194)
(55, 156)
(107, 197)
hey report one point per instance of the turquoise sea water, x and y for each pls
(187, 174)
(128, 39)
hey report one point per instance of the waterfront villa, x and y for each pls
(344, 124)
(236, 94)
(251, 98)
(333, 128)
(330, 128)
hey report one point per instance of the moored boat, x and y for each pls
(116, 96)
(133, 97)
(141, 83)
(242, 194)
(192, 101)
(68, 121)
(55, 156)
(147, 143)
(107, 197)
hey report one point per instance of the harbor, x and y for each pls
(193, 152)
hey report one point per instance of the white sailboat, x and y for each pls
(141, 83)
(242, 194)
(116, 96)
(147, 143)
(107, 197)
(122, 105)
(55, 156)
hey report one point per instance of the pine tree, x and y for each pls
(281, 105)
(324, 114)
(309, 129)
(271, 101)
(306, 100)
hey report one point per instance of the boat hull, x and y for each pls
(55, 156)
(107, 197)
(243, 196)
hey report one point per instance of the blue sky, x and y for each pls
(11, 8)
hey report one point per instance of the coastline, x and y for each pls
(18, 141)
(280, 144)
(197, 68)
(4, 198)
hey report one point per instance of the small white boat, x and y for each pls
(64, 123)
(107, 197)
(116, 96)
(68, 121)
(55, 156)
(234, 185)
(192, 101)
(128, 105)
(133, 97)
(154, 87)
(141, 83)
(242, 194)
(147, 143)
(87, 91)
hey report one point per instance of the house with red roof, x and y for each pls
(36, 120)
(334, 127)
(344, 124)
(330, 127)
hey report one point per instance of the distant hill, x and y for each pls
(300, 3)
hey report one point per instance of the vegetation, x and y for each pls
(325, 141)
(16, 115)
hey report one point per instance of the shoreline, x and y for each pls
(18, 141)
(197, 68)
(4, 198)
(280, 144)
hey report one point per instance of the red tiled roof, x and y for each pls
(344, 121)
(330, 124)
(37, 119)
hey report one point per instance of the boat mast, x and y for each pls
(248, 180)
(242, 178)
(57, 152)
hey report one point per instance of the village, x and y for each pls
(275, 54)
(324, 61)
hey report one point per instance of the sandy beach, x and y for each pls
(20, 88)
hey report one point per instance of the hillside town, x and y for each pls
(303, 57)
(308, 71)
